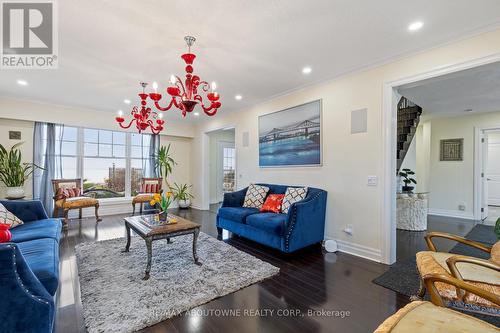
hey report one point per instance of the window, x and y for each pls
(104, 163)
(228, 167)
(111, 163)
(66, 151)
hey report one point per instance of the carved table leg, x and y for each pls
(195, 254)
(149, 243)
(127, 247)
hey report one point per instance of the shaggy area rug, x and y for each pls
(116, 299)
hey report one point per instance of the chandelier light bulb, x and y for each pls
(155, 86)
(160, 115)
(172, 79)
(120, 113)
(214, 86)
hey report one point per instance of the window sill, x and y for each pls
(115, 201)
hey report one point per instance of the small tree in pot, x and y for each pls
(407, 179)
(13, 172)
(182, 195)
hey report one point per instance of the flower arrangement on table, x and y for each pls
(163, 201)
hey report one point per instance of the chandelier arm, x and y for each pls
(178, 82)
(127, 126)
(154, 129)
(208, 110)
(159, 107)
(205, 86)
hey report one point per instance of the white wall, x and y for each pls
(451, 183)
(26, 129)
(347, 159)
(215, 139)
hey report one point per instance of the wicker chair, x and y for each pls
(483, 274)
(149, 186)
(68, 203)
(421, 316)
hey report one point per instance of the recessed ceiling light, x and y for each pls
(126, 101)
(22, 82)
(238, 97)
(415, 26)
(306, 70)
(196, 114)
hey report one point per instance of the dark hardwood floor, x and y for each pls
(309, 280)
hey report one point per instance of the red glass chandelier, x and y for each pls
(143, 118)
(184, 95)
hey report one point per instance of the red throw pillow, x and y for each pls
(273, 203)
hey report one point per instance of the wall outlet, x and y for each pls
(348, 229)
(461, 207)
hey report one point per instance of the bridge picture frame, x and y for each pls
(292, 137)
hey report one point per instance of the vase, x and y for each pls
(183, 204)
(163, 215)
(5, 234)
(16, 192)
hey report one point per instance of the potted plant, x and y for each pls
(407, 179)
(163, 201)
(13, 172)
(164, 162)
(182, 195)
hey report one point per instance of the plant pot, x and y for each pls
(5, 235)
(15, 192)
(183, 204)
(407, 189)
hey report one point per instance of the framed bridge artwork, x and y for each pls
(291, 137)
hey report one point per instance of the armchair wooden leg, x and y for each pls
(65, 219)
(141, 208)
(80, 213)
(97, 218)
(421, 292)
(56, 211)
(133, 208)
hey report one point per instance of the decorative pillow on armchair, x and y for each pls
(7, 217)
(292, 195)
(273, 203)
(255, 196)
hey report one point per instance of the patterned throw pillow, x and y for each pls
(7, 217)
(293, 194)
(273, 203)
(255, 196)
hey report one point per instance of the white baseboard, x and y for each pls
(451, 213)
(359, 250)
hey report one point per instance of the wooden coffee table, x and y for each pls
(166, 231)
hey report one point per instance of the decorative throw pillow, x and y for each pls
(273, 203)
(7, 217)
(255, 196)
(293, 194)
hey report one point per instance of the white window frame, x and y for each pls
(80, 156)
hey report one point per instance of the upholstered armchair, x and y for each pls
(68, 195)
(149, 186)
(421, 316)
(480, 273)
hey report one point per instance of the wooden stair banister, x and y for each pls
(408, 120)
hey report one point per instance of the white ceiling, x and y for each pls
(476, 89)
(253, 48)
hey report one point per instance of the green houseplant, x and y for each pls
(407, 179)
(182, 195)
(164, 162)
(13, 172)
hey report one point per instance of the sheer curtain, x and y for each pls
(150, 150)
(45, 152)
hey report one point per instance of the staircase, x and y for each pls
(408, 119)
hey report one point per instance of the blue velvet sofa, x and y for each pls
(29, 270)
(304, 224)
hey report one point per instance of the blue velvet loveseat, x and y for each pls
(303, 225)
(29, 270)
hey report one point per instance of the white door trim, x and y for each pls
(478, 167)
(388, 181)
